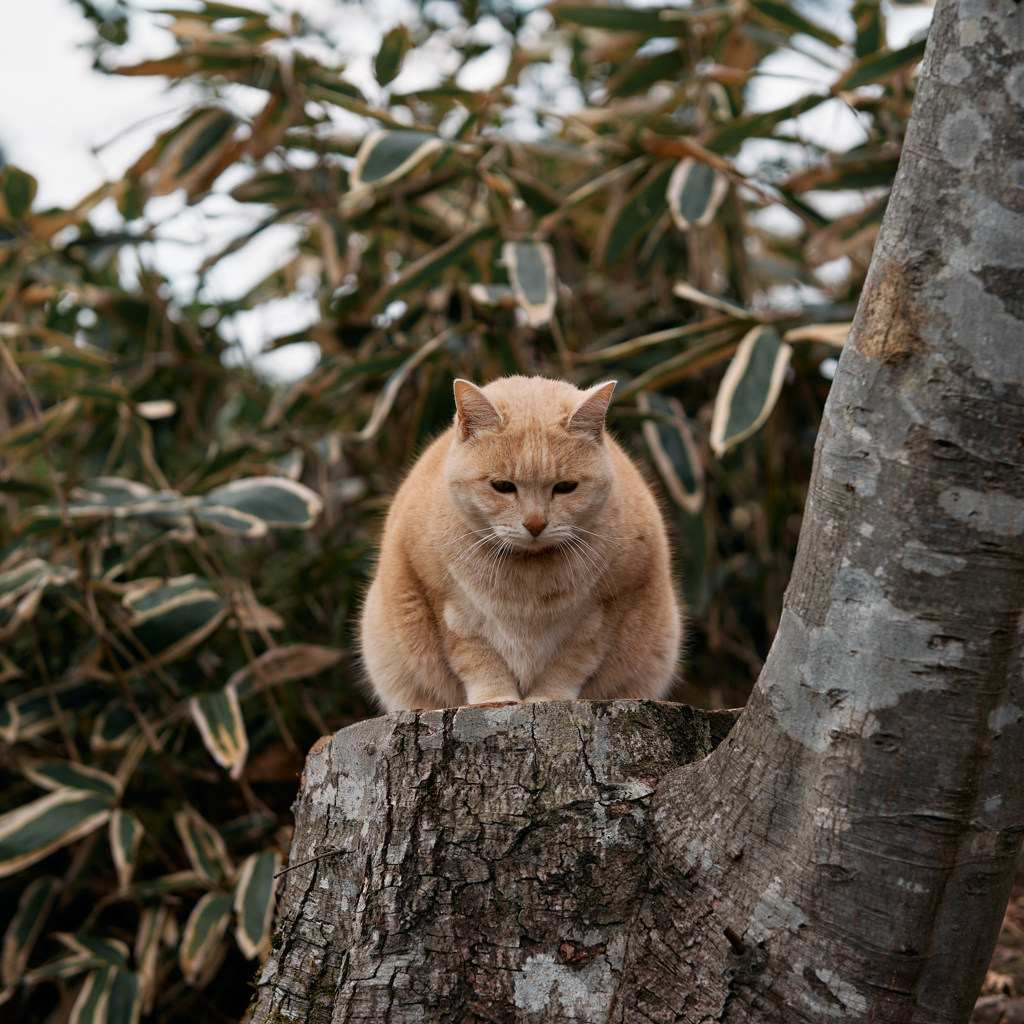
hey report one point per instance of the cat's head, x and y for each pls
(529, 464)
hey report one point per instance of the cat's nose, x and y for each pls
(535, 524)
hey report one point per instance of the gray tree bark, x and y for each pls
(846, 852)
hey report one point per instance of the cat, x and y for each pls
(524, 558)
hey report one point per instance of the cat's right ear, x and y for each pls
(474, 410)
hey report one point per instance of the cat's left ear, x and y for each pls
(589, 415)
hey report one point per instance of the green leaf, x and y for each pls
(114, 728)
(750, 387)
(91, 1005)
(531, 269)
(429, 268)
(734, 132)
(204, 845)
(880, 65)
(32, 714)
(125, 835)
(284, 664)
(177, 881)
(203, 932)
(386, 156)
(674, 451)
(641, 73)
(218, 717)
(695, 192)
(33, 908)
(17, 190)
(648, 22)
(870, 22)
(189, 152)
(393, 48)
(170, 620)
(254, 902)
(273, 500)
(124, 1000)
(639, 213)
(33, 831)
(56, 774)
(782, 15)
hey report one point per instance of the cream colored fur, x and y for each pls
(529, 595)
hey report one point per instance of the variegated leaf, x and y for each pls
(686, 291)
(492, 295)
(56, 774)
(198, 952)
(152, 921)
(531, 269)
(695, 192)
(386, 156)
(674, 451)
(33, 831)
(124, 999)
(750, 387)
(33, 907)
(218, 716)
(204, 845)
(22, 578)
(113, 729)
(830, 334)
(254, 902)
(85, 952)
(125, 835)
(32, 713)
(194, 151)
(90, 1007)
(177, 881)
(172, 619)
(273, 500)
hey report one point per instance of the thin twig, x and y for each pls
(319, 856)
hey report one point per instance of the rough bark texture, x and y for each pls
(492, 861)
(847, 850)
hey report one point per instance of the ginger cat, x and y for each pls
(523, 559)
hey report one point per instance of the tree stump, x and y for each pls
(489, 867)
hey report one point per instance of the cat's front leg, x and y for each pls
(484, 674)
(573, 664)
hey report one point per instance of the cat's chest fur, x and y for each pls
(526, 630)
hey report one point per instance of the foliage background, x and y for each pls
(169, 648)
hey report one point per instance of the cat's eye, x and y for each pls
(564, 487)
(503, 486)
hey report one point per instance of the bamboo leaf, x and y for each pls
(686, 291)
(56, 774)
(284, 665)
(177, 881)
(385, 156)
(33, 831)
(393, 48)
(273, 500)
(648, 22)
(114, 728)
(531, 269)
(84, 953)
(124, 1000)
(90, 1007)
(674, 451)
(830, 334)
(880, 65)
(17, 190)
(147, 952)
(195, 151)
(750, 388)
(638, 214)
(32, 713)
(170, 620)
(125, 836)
(203, 932)
(784, 16)
(254, 903)
(204, 845)
(33, 908)
(218, 717)
(695, 192)
(430, 267)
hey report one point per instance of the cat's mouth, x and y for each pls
(537, 552)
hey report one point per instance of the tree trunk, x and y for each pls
(847, 851)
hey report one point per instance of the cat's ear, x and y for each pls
(589, 415)
(474, 410)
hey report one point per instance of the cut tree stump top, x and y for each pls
(490, 861)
